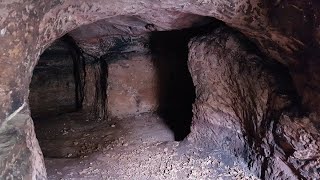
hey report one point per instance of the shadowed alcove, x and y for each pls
(159, 89)
(87, 96)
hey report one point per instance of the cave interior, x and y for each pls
(160, 90)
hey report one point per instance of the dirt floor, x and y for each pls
(139, 147)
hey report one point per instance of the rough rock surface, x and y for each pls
(52, 89)
(299, 140)
(21, 157)
(104, 36)
(285, 30)
(132, 86)
(241, 96)
(40, 23)
(135, 147)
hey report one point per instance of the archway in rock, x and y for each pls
(284, 146)
(56, 96)
(84, 105)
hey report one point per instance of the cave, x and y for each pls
(159, 90)
(73, 94)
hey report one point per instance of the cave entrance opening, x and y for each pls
(81, 104)
(56, 100)
(177, 92)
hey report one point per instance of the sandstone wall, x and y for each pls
(285, 30)
(52, 89)
(132, 86)
(244, 101)
(20, 154)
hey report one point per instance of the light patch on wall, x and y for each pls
(3, 31)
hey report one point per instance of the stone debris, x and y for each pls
(152, 158)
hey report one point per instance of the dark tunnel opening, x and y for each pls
(160, 90)
(176, 92)
(76, 98)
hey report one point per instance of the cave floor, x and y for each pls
(137, 147)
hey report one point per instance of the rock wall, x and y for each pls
(45, 21)
(132, 86)
(21, 157)
(287, 31)
(120, 83)
(98, 52)
(53, 87)
(244, 101)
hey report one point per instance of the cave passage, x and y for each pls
(53, 85)
(56, 95)
(160, 89)
(176, 92)
(71, 90)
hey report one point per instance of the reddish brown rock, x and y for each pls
(21, 157)
(240, 98)
(52, 89)
(300, 141)
(284, 30)
(132, 86)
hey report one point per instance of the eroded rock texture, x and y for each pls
(21, 157)
(53, 87)
(242, 97)
(132, 86)
(129, 33)
(248, 97)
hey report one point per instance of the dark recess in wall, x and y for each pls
(56, 86)
(170, 56)
(78, 69)
(177, 92)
